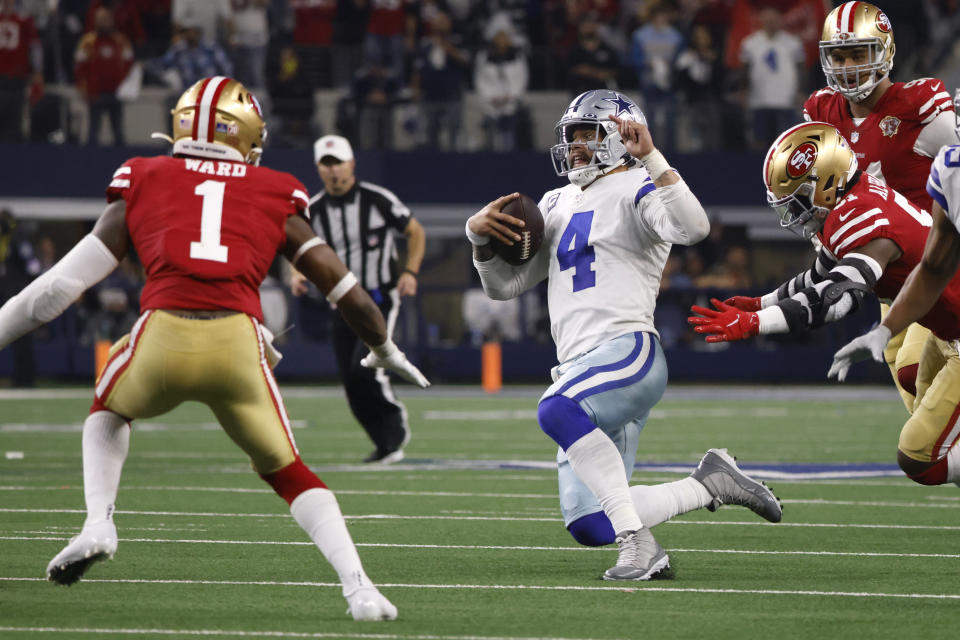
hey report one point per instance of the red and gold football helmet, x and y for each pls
(218, 118)
(806, 172)
(856, 24)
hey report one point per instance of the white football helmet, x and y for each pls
(607, 151)
(857, 24)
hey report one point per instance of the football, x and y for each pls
(531, 234)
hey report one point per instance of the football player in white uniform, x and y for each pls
(606, 239)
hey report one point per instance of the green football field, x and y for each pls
(465, 535)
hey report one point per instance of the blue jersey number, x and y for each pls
(952, 157)
(575, 251)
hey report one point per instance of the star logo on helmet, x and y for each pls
(623, 105)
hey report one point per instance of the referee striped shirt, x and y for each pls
(358, 225)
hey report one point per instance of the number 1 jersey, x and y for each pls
(206, 231)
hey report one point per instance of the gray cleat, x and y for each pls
(641, 557)
(719, 473)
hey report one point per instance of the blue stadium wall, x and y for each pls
(726, 179)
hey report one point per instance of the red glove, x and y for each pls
(726, 324)
(744, 303)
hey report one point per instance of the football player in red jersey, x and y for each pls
(206, 223)
(895, 130)
(877, 237)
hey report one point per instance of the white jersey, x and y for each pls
(943, 185)
(603, 253)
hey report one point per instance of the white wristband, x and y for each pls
(655, 164)
(475, 238)
(346, 283)
(385, 350)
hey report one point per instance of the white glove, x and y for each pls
(869, 345)
(366, 603)
(388, 356)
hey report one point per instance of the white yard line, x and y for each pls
(388, 516)
(40, 537)
(262, 634)
(528, 587)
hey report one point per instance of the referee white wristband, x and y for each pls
(655, 164)
(475, 238)
(346, 283)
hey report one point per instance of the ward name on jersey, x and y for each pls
(896, 142)
(871, 210)
(206, 231)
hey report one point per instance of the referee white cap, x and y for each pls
(336, 146)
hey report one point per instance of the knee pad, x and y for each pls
(593, 530)
(292, 480)
(563, 420)
(907, 377)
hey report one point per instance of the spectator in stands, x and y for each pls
(654, 49)
(20, 64)
(103, 59)
(191, 59)
(249, 41)
(313, 35)
(774, 66)
(212, 17)
(439, 71)
(699, 79)
(292, 98)
(117, 300)
(733, 272)
(500, 78)
(366, 113)
(126, 19)
(157, 25)
(391, 35)
(18, 266)
(591, 63)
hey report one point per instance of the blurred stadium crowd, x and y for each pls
(405, 74)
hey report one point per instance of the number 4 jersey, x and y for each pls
(206, 231)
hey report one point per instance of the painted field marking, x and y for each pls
(40, 537)
(263, 634)
(524, 587)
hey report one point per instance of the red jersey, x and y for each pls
(17, 35)
(873, 210)
(206, 231)
(885, 142)
(102, 62)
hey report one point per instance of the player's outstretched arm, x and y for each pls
(90, 261)
(319, 263)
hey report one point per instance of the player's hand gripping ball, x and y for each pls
(531, 233)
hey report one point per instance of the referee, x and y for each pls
(357, 220)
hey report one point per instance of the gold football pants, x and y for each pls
(904, 350)
(933, 427)
(167, 360)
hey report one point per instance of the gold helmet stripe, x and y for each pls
(204, 122)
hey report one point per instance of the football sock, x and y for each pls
(593, 530)
(318, 513)
(597, 463)
(656, 503)
(106, 440)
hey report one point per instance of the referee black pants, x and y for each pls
(369, 391)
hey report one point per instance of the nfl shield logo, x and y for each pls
(855, 137)
(889, 126)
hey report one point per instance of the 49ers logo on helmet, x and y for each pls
(801, 160)
(883, 22)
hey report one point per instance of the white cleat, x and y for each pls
(368, 604)
(95, 542)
